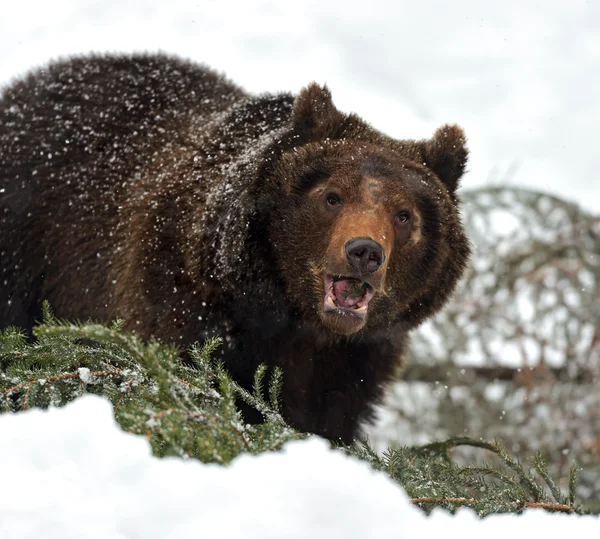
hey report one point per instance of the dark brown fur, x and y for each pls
(152, 189)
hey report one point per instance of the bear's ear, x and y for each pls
(446, 154)
(315, 116)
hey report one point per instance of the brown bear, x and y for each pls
(153, 189)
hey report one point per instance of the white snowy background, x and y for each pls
(522, 78)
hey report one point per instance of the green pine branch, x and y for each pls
(432, 479)
(183, 410)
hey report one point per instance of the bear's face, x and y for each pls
(355, 223)
(366, 229)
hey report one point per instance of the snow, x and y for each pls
(521, 77)
(85, 375)
(72, 473)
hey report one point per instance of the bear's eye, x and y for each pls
(334, 200)
(402, 217)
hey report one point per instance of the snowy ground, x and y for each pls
(71, 473)
(522, 77)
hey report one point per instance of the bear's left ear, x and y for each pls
(315, 116)
(446, 154)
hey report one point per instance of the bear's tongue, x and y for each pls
(348, 292)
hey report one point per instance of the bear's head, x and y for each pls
(366, 229)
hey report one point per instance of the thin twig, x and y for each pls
(126, 390)
(459, 501)
(470, 501)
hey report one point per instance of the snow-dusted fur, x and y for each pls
(153, 189)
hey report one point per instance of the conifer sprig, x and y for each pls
(431, 479)
(183, 410)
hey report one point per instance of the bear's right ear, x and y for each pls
(315, 116)
(446, 154)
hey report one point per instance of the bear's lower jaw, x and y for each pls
(345, 304)
(342, 322)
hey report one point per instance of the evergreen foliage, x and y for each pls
(188, 409)
(432, 479)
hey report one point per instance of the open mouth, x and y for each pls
(347, 295)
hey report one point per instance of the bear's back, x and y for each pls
(75, 137)
(103, 107)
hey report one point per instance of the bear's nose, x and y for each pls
(364, 255)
